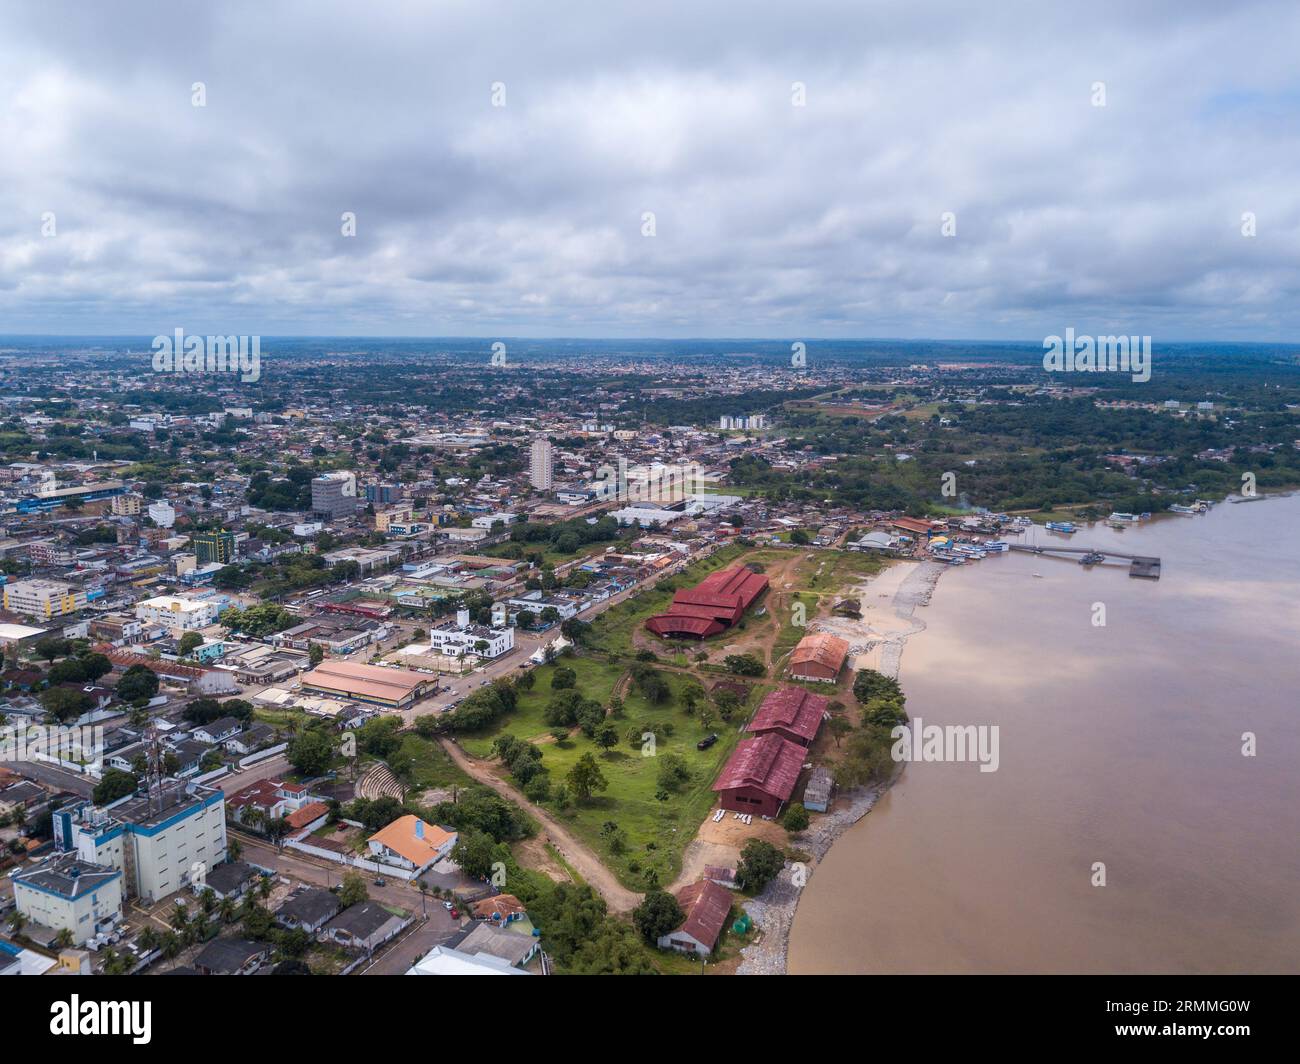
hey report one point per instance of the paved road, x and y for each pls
(54, 776)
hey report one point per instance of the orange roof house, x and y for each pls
(410, 843)
(499, 909)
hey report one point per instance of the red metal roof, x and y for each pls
(706, 905)
(714, 603)
(792, 708)
(675, 624)
(767, 763)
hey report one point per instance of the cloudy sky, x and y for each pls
(769, 219)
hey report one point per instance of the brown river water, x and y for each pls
(1119, 744)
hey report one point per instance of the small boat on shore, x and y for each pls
(1188, 511)
(1092, 558)
(1128, 519)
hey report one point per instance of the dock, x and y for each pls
(1143, 567)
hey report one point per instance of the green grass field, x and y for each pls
(595, 679)
(656, 831)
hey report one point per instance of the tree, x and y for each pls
(673, 772)
(657, 915)
(475, 853)
(51, 647)
(760, 861)
(137, 683)
(563, 678)
(190, 642)
(315, 654)
(869, 685)
(585, 777)
(614, 949)
(795, 818)
(353, 890)
(114, 785)
(606, 737)
(744, 665)
(64, 704)
(311, 752)
(95, 666)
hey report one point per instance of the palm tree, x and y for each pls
(16, 923)
(170, 945)
(64, 938)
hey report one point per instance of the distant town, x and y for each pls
(405, 661)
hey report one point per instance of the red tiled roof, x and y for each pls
(706, 905)
(767, 763)
(793, 709)
(300, 818)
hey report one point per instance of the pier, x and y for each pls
(1141, 566)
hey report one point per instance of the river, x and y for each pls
(1120, 744)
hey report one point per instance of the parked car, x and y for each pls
(380, 881)
(707, 741)
(448, 906)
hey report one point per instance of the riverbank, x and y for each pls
(886, 635)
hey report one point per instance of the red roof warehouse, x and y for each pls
(760, 775)
(712, 606)
(792, 713)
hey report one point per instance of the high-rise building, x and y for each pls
(215, 546)
(385, 494)
(334, 495)
(541, 464)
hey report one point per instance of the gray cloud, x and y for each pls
(772, 220)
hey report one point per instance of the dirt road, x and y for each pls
(577, 853)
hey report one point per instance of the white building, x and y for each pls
(177, 613)
(488, 520)
(67, 893)
(163, 513)
(43, 598)
(161, 843)
(443, 960)
(646, 516)
(469, 638)
(541, 464)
